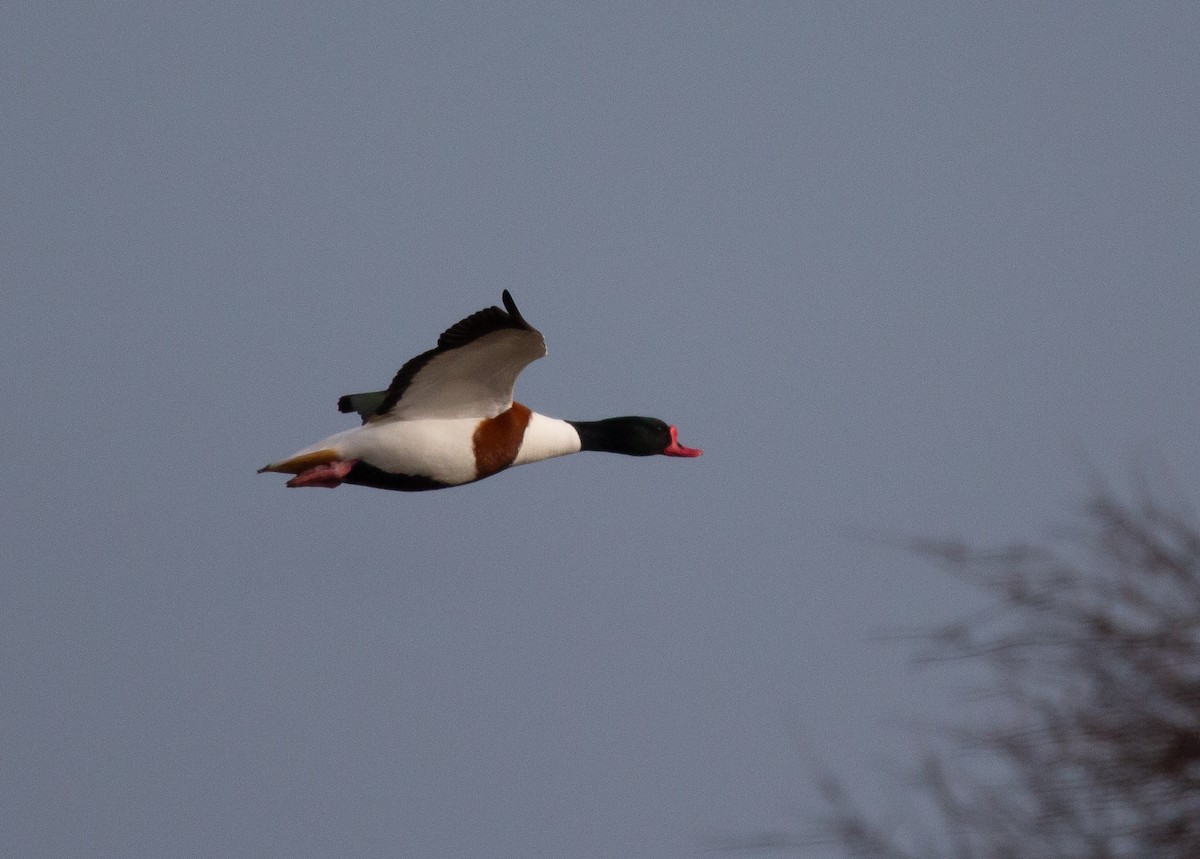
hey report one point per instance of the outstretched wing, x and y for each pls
(470, 373)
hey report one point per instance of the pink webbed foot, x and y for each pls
(327, 476)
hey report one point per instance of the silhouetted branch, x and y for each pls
(1092, 750)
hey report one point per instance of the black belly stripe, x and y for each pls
(368, 475)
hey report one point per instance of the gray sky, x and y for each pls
(898, 269)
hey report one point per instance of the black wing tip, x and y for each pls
(346, 404)
(511, 307)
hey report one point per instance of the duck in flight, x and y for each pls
(449, 418)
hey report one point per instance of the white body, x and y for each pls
(441, 448)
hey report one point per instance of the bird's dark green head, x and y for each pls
(634, 436)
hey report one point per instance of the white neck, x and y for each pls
(546, 438)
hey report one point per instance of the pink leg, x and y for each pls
(327, 476)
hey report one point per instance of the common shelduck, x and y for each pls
(449, 418)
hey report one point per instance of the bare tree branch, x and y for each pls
(1092, 651)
